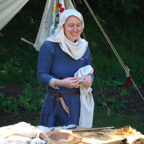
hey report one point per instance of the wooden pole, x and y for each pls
(88, 129)
(27, 41)
(66, 4)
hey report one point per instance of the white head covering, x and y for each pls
(75, 49)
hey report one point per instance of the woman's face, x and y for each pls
(72, 28)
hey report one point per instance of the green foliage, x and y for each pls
(14, 72)
(122, 21)
(128, 7)
(32, 100)
(10, 105)
(99, 101)
(116, 104)
(133, 111)
(125, 32)
(18, 63)
(108, 79)
(124, 92)
(133, 87)
(2, 98)
(112, 102)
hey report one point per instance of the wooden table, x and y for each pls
(93, 136)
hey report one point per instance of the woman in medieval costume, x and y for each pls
(60, 57)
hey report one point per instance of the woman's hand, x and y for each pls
(87, 81)
(70, 82)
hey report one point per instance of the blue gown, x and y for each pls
(52, 65)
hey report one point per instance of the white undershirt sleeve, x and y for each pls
(52, 83)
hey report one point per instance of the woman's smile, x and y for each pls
(72, 28)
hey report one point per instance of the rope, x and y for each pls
(111, 45)
(137, 89)
(107, 38)
(104, 104)
(95, 71)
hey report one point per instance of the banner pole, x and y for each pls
(66, 4)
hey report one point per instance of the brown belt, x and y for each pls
(59, 98)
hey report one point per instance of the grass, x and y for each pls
(34, 122)
(101, 119)
(118, 120)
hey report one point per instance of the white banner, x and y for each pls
(50, 20)
(8, 9)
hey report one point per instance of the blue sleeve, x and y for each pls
(88, 62)
(44, 63)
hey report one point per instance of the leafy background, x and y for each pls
(123, 22)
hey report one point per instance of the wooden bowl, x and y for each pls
(62, 137)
